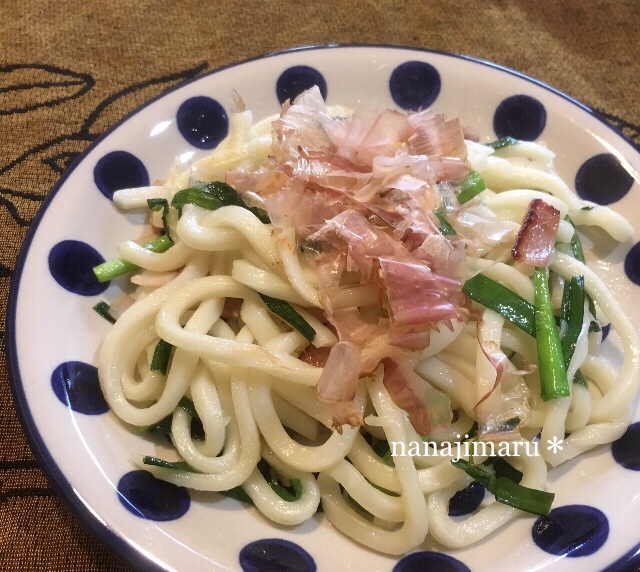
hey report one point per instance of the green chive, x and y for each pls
(212, 196)
(382, 449)
(530, 500)
(502, 143)
(104, 310)
(501, 300)
(189, 407)
(572, 314)
(578, 254)
(164, 425)
(579, 379)
(291, 493)
(285, 311)
(472, 185)
(445, 226)
(504, 469)
(553, 374)
(284, 493)
(237, 493)
(161, 357)
(509, 492)
(176, 466)
(163, 205)
(117, 266)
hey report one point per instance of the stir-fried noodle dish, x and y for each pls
(365, 312)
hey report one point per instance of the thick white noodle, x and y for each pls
(458, 534)
(414, 526)
(256, 400)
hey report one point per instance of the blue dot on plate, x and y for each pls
(626, 450)
(571, 530)
(427, 560)
(71, 264)
(76, 384)
(414, 85)
(603, 180)
(629, 562)
(150, 498)
(520, 116)
(632, 264)
(203, 122)
(467, 500)
(119, 170)
(605, 331)
(275, 555)
(294, 80)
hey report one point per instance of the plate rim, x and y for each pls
(117, 544)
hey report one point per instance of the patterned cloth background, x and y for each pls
(69, 70)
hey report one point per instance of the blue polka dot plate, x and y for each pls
(54, 335)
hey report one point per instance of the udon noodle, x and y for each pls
(335, 186)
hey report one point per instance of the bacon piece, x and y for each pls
(429, 409)
(338, 382)
(232, 308)
(315, 356)
(537, 236)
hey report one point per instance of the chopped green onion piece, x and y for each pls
(530, 500)
(578, 254)
(103, 309)
(553, 374)
(508, 491)
(445, 226)
(284, 492)
(237, 493)
(163, 426)
(285, 311)
(472, 185)
(161, 357)
(500, 299)
(502, 143)
(176, 466)
(117, 266)
(382, 449)
(572, 314)
(189, 407)
(291, 493)
(382, 489)
(576, 246)
(579, 379)
(212, 196)
(161, 204)
(505, 469)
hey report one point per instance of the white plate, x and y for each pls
(85, 456)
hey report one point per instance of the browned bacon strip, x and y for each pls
(537, 236)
